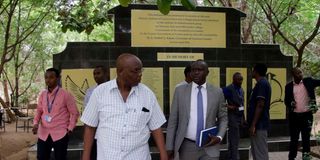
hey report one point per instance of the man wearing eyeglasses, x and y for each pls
(121, 114)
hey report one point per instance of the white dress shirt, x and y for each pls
(192, 124)
(123, 128)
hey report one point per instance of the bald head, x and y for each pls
(129, 69)
(123, 59)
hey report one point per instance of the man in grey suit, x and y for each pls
(196, 106)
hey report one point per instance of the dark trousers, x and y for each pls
(60, 148)
(299, 122)
(234, 121)
(93, 155)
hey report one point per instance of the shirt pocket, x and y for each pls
(140, 118)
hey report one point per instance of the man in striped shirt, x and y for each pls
(121, 114)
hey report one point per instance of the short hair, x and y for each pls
(104, 69)
(200, 61)
(261, 69)
(235, 74)
(56, 71)
(187, 69)
(294, 69)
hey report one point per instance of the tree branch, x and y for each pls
(269, 17)
(30, 82)
(5, 7)
(8, 80)
(25, 34)
(7, 36)
(211, 3)
(312, 36)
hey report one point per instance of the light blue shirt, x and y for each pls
(88, 95)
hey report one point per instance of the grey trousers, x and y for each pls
(259, 145)
(234, 121)
(190, 151)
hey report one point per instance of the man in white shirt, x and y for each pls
(195, 107)
(100, 75)
(123, 112)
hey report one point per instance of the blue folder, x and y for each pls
(204, 135)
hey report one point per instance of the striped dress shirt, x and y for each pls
(123, 128)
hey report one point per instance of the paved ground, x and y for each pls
(284, 156)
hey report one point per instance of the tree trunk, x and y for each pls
(16, 85)
(299, 60)
(5, 91)
(6, 102)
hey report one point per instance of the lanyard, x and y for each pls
(239, 92)
(50, 104)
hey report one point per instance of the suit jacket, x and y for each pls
(180, 114)
(310, 85)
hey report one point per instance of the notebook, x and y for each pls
(204, 135)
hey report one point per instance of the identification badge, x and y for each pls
(47, 118)
(241, 108)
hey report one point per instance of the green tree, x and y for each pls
(294, 24)
(19, 20)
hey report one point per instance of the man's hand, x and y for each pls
(35, 128)
(252, 131)
(293, 104)
(170, 154)
(69, 132)
(231, 107)
(164, 156)
(212, 141)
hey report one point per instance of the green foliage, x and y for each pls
(189, 4)
(125, 3)
(84, 15)
(164, 6)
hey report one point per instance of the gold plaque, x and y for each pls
(77, 81)
(161, 56)
(151, 77)
(150, 28)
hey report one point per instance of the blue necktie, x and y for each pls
(199, 114)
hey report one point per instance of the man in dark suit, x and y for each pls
(196, 106)
(299, 94)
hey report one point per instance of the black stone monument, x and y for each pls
(80, 55)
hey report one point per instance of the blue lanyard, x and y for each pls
(240, 93)
(50, 104)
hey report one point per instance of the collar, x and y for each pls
(294, 83)
(114, 85)
(195, 85)
(54, 90)
(235, 86)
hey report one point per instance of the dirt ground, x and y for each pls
(14, 145)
